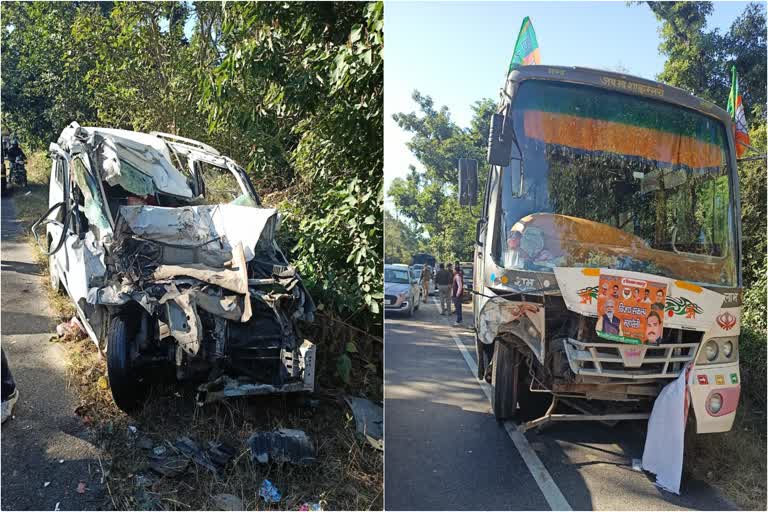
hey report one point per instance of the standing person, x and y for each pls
(9, 391)
(426, 278)
(444, 280)
(458, 291)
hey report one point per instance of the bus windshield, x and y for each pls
(616, 181)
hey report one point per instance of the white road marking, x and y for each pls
(543, 479)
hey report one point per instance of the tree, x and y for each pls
(402, 241)
(429, 199)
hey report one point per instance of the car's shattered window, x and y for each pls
(221, 186)
(93, 207)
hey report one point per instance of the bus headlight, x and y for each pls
(710, 350)
(728, 349)
(715, 403)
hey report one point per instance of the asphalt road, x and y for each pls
(45, 441)
(446, 451)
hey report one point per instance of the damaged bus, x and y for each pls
(170, 259)
(607, 257)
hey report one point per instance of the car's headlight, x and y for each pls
(710, 350)
(715, 403)
(719, 350)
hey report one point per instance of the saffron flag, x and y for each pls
(526, 47)
(736, 110)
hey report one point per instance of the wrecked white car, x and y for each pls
(162, 244)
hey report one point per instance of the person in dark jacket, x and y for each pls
(457, 291)
(444, 279)
(15, 151)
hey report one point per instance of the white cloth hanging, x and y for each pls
(663, 452)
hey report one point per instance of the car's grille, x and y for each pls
(624, 361)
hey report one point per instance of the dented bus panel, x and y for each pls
(597, 180)
(170, 259)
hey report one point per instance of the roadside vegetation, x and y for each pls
(293, 92)
(429, 219)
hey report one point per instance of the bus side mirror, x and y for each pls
(467, 181)
(499, 150)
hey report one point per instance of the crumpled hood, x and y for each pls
(190, 226)
(395, 288)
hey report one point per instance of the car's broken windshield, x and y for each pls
(616, 181)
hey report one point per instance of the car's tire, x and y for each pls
(506, 381)
(480, 358)
(129, 388)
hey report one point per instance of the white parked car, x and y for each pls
(402, 291)
(170, 259)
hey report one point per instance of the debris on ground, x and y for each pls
(311, 507)
(189, 448)
(145, 443)
(46, 484)
(637, 465)
(369, 420)
(269, 492)
(168, 465)
(220, 453)
(56, 508)
(81, 487)
(283, 445)
(228, 502)
(146, 500)
(159, 450)
(103, 383)
(72, 328)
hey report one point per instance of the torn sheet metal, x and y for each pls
(191, 226)
(146, 154)
(234, 278)
(184, 323)
(189, 449)
(369, 420)
(284, 445)
(85, 260)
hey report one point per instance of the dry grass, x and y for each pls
(348, 474)
(733, 462)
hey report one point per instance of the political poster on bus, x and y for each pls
(630, 310)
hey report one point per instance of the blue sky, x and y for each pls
(458, 52)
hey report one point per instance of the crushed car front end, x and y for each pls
(163, 245)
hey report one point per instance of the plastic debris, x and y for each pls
(56, 509)
(637, 465)
(284, 445)
(159, 450)
(46, 484)
(71, 328)
(61, 461)
(103, 383)
(189, 448)
(169, 466)
(311, 507)
(269, 492)
(369, 420)
(81, 487)
(220, 453)
(228, 502)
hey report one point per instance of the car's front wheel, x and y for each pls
(129, 388)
